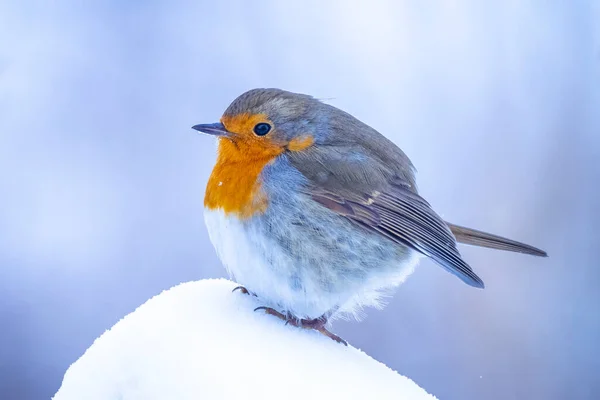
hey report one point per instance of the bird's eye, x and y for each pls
(262, 129)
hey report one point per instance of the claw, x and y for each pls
(243, 290)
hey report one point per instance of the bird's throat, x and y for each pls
(234, 185)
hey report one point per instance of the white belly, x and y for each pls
(264, 267)
(242, 253)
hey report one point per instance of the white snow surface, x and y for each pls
(199, 340)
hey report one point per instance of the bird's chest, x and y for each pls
(234, 188)
(239, 216)
(234, 185)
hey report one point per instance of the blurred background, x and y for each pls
(497, 104)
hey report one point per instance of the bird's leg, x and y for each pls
(243, 290)
(318, 324)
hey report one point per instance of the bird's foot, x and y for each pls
(318, 324)
(243, 290)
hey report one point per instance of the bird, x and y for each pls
(318, 215)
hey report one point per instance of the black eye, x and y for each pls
(262, 129)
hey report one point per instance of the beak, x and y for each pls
(216, 129)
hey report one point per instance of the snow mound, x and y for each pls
(200, 341)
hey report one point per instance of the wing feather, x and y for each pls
(404, 217)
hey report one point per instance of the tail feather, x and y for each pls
(483, 239)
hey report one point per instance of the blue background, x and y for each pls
(496, 103)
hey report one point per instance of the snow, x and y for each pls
(199, 340)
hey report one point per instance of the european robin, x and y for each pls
(318, 214)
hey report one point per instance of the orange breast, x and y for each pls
(234, 186)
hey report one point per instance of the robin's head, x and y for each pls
(269, 121)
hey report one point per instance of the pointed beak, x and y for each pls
(216, 129)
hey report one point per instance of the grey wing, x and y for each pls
(404, 217)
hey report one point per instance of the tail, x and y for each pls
(482, 239)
